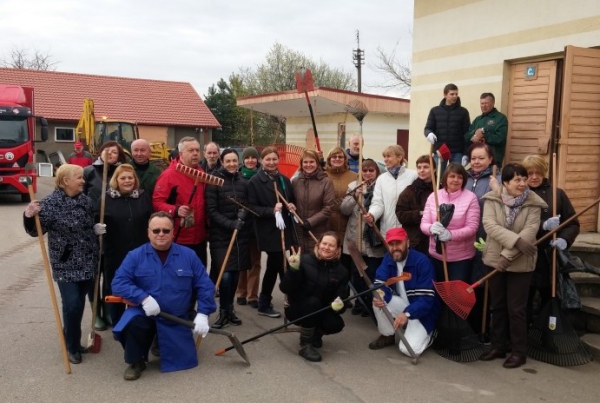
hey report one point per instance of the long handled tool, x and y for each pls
(282, 231)
(94, 342)
(224, 264)
(459, 296)
(552, 338)
(48, 271)
(300, 221)
(189, 324)
(304, 83)
(389, 282)
(361, 266)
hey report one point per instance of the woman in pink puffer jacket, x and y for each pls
(458, 236)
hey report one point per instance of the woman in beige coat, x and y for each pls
(511, 219)
(314, 199)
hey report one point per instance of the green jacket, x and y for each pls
(147, 177)
(495, 127)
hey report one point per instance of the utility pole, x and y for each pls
(358, 55)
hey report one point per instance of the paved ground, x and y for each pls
(31, 368)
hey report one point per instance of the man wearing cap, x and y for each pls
(79, 156)
(412, 303)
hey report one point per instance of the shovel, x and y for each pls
(188, 323)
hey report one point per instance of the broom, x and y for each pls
(59, 329)
(455, 339)
(552, 338)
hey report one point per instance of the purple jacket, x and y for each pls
(463, 225)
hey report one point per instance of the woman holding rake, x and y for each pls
(511, 218)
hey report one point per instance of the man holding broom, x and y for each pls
(162, 276)
(412, 303)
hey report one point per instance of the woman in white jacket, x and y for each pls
(388, 187)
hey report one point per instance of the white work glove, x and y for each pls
(551, 223)
(559, 244)
(436, 228)
(99, 229)
(201, 325)
(337, 304)
(465, 160)
(150, 306)
(279, 221)
(431, 137)
(32, 209)
(445, 235)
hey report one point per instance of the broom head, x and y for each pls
(458, 295)
(304, 81)
(358, 109)
(94, 343)
(444, 152)
(455, 339)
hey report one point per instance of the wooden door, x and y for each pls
(402, 140)
(530, 110)
(579, 143)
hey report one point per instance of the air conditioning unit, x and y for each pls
(45, 169)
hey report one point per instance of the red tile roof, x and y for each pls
(59, 96)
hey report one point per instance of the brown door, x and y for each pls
(579, 143)
(530, 109)
(402, 140)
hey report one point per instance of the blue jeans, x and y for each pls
(460, 270)
(456, 157)
(73, 305)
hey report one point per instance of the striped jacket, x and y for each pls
(424, 304)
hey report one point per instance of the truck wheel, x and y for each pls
(25, 198)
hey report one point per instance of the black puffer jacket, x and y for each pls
(261, 199)
(542, 274)
(73, 247)
(222, 214)
(93, 179)
(449, 124)
(323, 279)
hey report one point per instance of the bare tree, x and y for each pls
(397, 72)
(19, 58)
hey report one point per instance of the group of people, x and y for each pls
(157, 228)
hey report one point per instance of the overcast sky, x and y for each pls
(202, 41)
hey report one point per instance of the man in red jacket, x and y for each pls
(178, 195)
(79, 156)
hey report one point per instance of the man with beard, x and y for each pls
(353, 151)
(412, 303)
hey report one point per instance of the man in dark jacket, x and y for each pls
(490, 127)
(412, 303)
(447, 124)
(211, 161)
(146, 172)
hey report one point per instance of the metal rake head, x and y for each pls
(458, 295)
(358, 109)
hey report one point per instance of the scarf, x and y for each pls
(512, 206)
(271, 174)
(421, 187)
(395, 171)
(248, 173)
(477, 175)
(309, 176)
(115, 194)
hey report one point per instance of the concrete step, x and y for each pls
(591, 342)
(588, 285)
(588, 318)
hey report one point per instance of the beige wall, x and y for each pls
(379, 131)
(153, 133)
(471, 43)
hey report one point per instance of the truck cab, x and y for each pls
(17, 140)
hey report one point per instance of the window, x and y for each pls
(64, 134)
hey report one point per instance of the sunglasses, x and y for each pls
(159, 230)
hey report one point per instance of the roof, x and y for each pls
(59, 96)
(325, 101)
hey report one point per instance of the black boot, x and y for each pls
(306, 348)
(233, 319)
(317, 341)
(222, 320)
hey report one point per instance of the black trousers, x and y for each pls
(137, 338)
(328, 322)
(508, 295)
(274, 269)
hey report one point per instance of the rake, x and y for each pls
(552, 338)
(459, 296)
(304, 83)
(359, 110)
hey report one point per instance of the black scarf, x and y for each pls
(421, 187)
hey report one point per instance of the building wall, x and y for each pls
(472, 43)
(379, 131)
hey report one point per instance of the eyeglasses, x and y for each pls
(368, 170)
(159, 230)
(337, 157)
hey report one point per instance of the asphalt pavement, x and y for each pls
(32, 370)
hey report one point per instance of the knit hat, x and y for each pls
(249, 152)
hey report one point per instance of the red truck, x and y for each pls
(17, 140)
